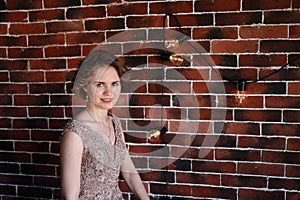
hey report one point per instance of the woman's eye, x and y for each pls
(115, 84)
(100, 85)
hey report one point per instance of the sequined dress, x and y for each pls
(101, 161)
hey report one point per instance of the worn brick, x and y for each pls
(265, 4)
(281, 129)
(250, 46)
(264, 32)
(64, 26)
(171, 7)
(127, 9)
(281, 17)
(86, 12)
(215, 192)
(261, 143)
(249, 194)
(45, 40)
(26, 4)
(46, 15)
(105, 24)
(20, 29)
(270, 46)
(241, 18)
(17, 16)
(261, 169)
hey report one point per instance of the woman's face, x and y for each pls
(104, 89)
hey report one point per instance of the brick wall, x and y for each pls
(214, 147)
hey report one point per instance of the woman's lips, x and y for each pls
(106, 100)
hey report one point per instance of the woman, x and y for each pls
(93, 150)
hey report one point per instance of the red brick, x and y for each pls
(43, 158)
(25, 52)
(193, 178)
(15, 157)
(31, 100)
(13, 112)
(32, 146)
(64, 26)
(239, 155)
(3, 28)
(265, 4)
(293, 144)
(293, 171)
(46, 15)
(139, 22)
(244, 181)
(269, 46)
(247, 194)
(13, 64)
(30, 123)
(5, 99)
(18, 16)
(47, 64)
(3, 53)
(281, 157)
(291, 116)
(282, 102)
(62, 51)
(294, 88)
(53, 182)
(45, 135)
(240, 18)
(261, 169)
(264, 32)
(46, 112)
(193, 20)
(14, 134)
(158, 176)
(235, 46)
(57, 124)
(38, 169)
(262, 60)
(215, 192)
(86, 12)
(261, 143)
(293, 195)
(7, 190)
(295, 4)
(171, 7)
(213, 166)
(282, 17)
(35, 192)
(19, 29)
(26, 4)
(27, 76)
(4, 77)
(62, 3)
(14, 88)
(13, 41)
(281, 183)
(215, 33)
(44, 40)
(188, 152)
(241, 128)
(85, 38)
(294, 31)
(45, 88)
(127, 9)
(215, 6)
(105, 24)
(281, 129)
(258, 115)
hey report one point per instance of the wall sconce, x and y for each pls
(241, 91)
(154, 135)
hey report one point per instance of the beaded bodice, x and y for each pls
(101, 161)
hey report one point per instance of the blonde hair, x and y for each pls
(88, 67)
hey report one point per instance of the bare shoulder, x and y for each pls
(71, 137)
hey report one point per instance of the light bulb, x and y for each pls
(171, 45)
(241, 92)
(154, 134)
(176, 59)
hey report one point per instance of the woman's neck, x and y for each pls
(97, 114)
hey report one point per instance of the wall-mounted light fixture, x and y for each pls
(241, 91)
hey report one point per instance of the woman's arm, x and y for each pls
(71, 148)
(132, 178)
